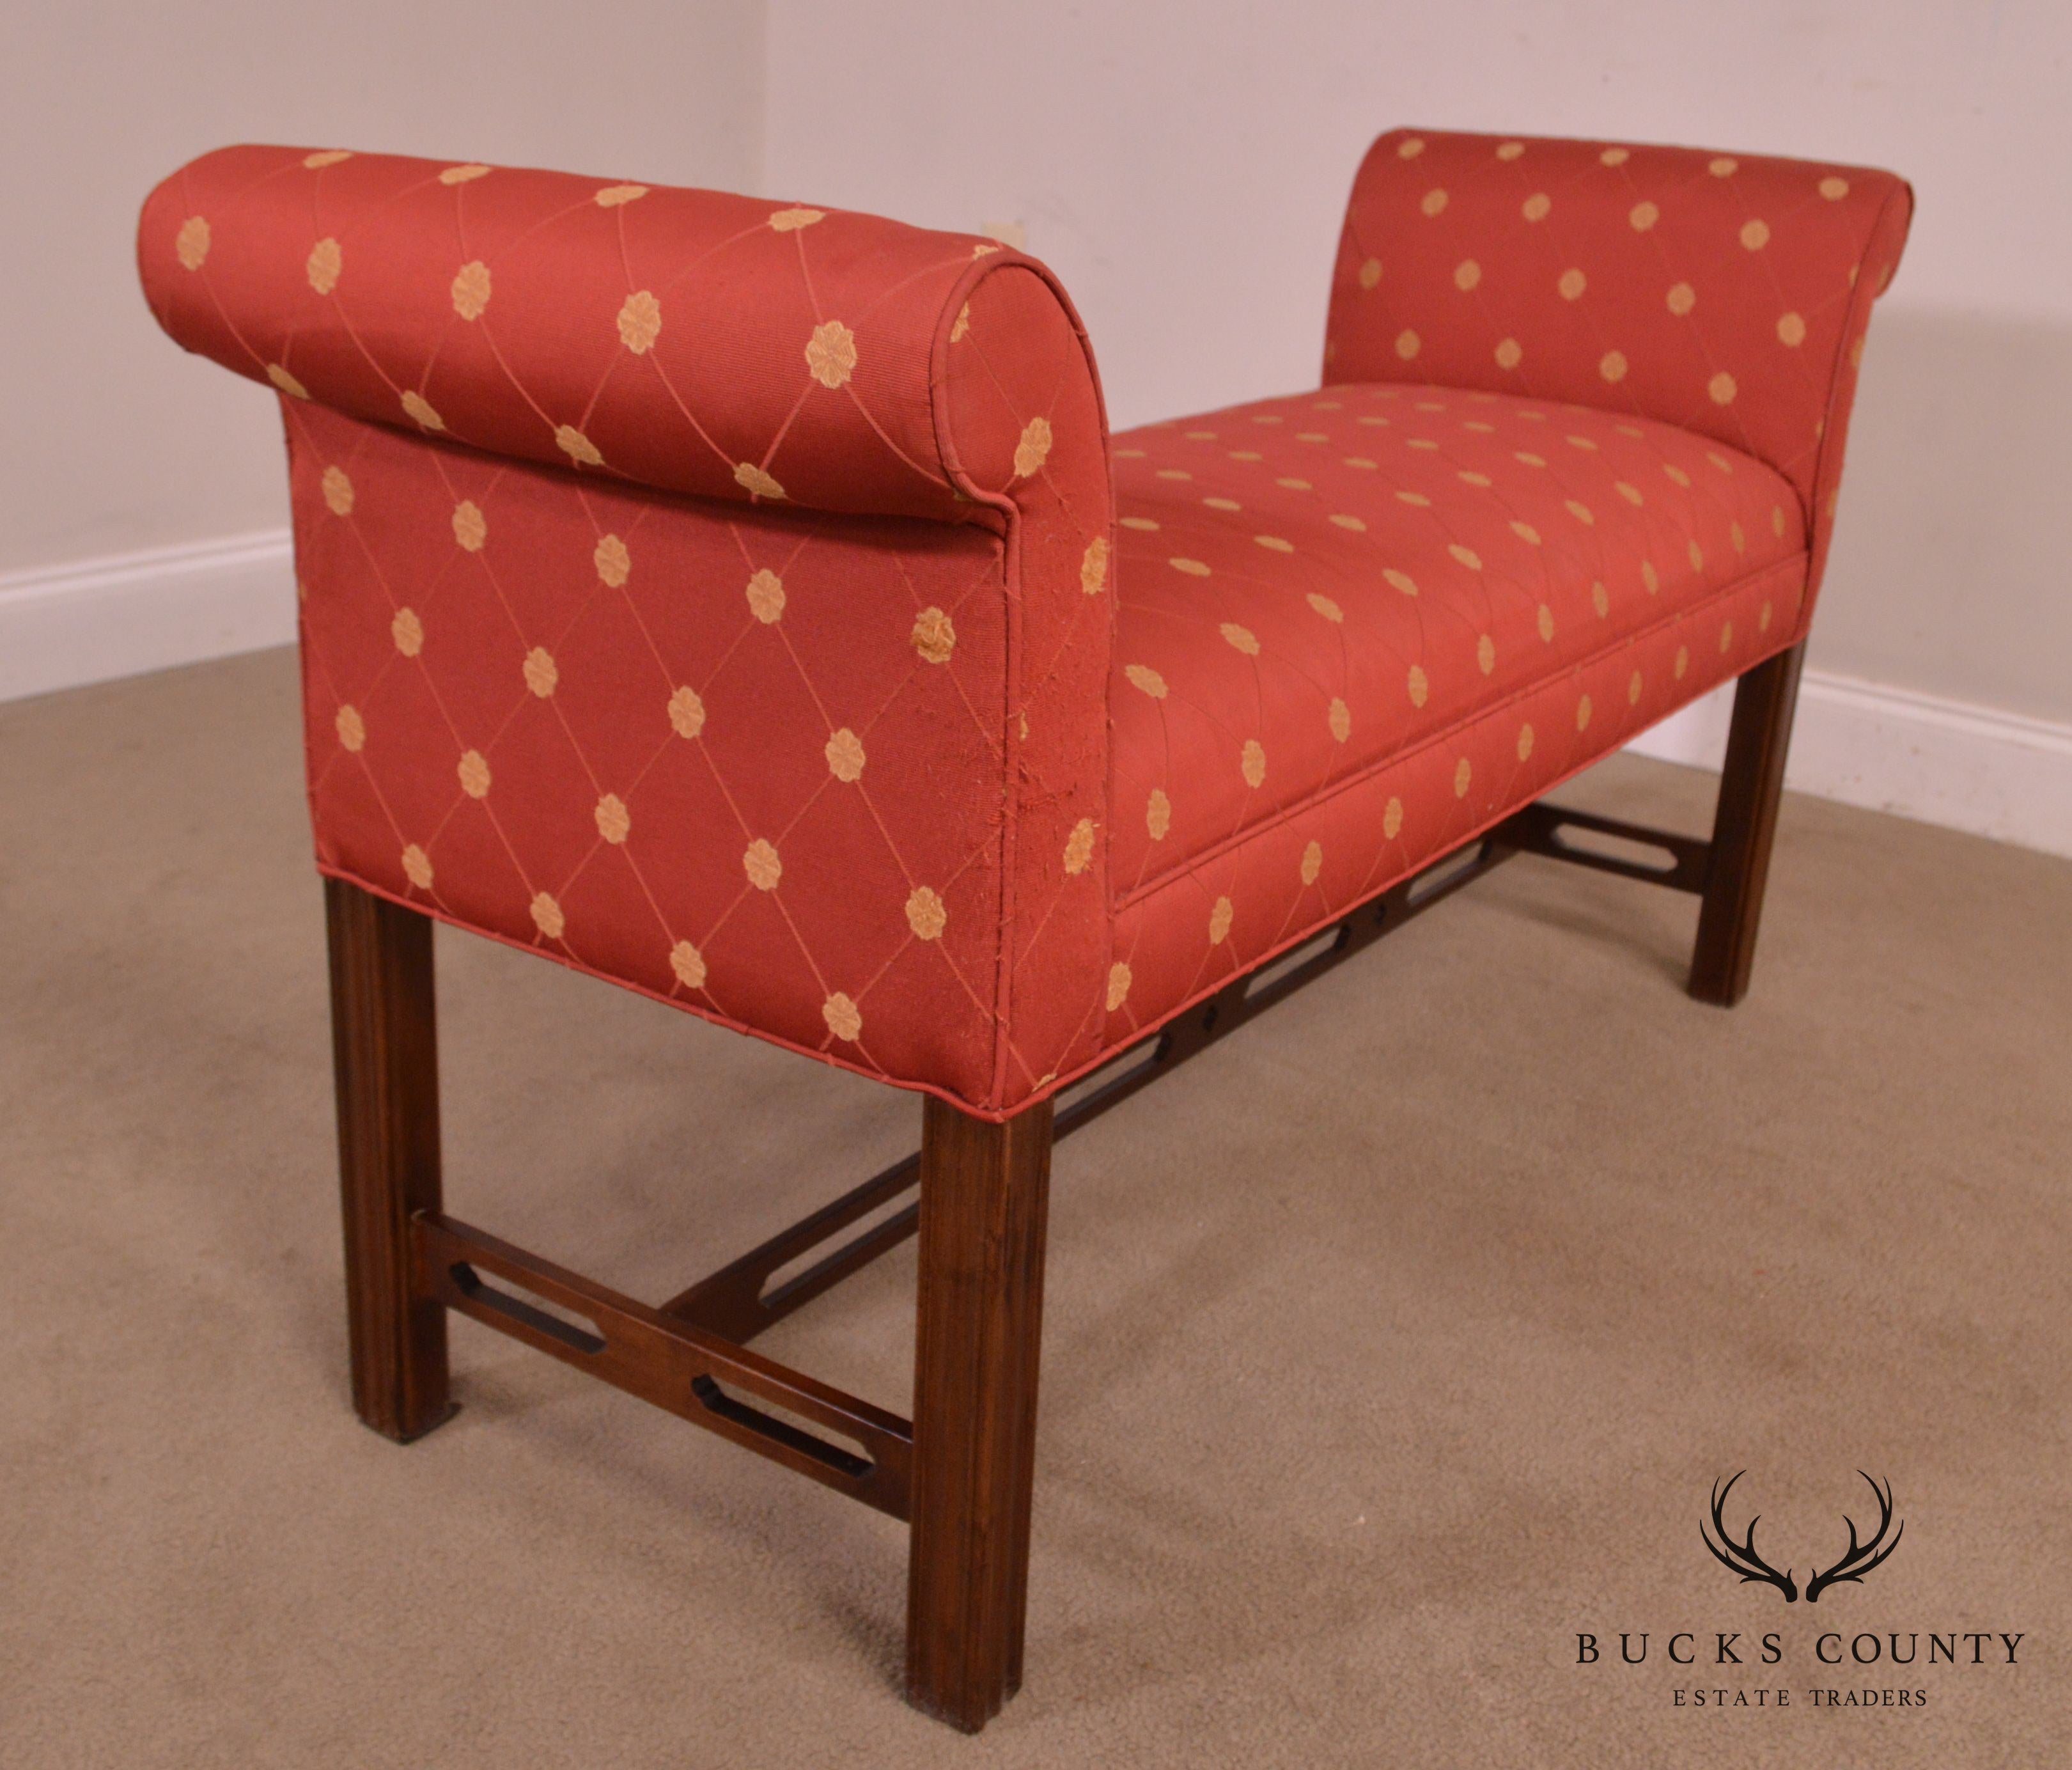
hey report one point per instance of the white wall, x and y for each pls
(1185, 166)
(115, 440)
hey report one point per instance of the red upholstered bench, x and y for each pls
(746, 603)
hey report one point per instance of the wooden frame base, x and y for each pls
(961, 1474)
(695, 1375)
(1751, 787)
(984, 1197)
(385, 1066)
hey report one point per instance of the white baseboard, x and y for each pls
(2002, 775)
(64, 626)
(1995, 774)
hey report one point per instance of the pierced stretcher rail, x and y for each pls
(677, 1365)
(746, 1295)
(690, 1356)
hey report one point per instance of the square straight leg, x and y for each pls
(985, 1198)
(385, 1050)
(1751, 785)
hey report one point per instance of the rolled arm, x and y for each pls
(814, 768)
(1726, 293)
(693, 341)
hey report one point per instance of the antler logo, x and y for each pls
(1741, 1556)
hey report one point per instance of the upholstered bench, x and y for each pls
(744, 603)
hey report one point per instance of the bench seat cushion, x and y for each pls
(1355, 626)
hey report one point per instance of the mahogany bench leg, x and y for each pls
(985, 1195)
(384, 1052)
(1750, 786)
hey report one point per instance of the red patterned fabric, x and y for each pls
(1312, 587)
(1358, 626)
(810, 774)
(568, 320)
(721, 596)
(1726, 293)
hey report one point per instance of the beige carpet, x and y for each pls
(1389, 1345)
